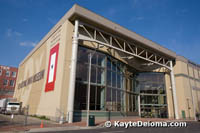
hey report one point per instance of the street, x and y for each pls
(6, 124)
(193, 127)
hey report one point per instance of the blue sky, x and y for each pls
(174, 24)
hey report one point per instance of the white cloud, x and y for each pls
(28, 44)
(10, 32)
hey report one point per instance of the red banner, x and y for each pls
(51, 75)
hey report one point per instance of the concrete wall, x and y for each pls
(51, 103)
(187, 78)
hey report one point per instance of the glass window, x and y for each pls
(93, 74)
(118, 96)
(108, 63)
(114, 79)
(81, 71)
(119, 67)
(108, 78)
(114, 66)
(101, 60)
(13, 74)
(82, 56)
(94, 58)
(114, 99)
(150, 84)
(98, 98)
(100, 76)
(0, 72)
(119, 82)
(108, 99)
(92, 97)
(7, 73)
(108, 94)
(80, 96)
(118, 100)
(12, 82)
(5, 82)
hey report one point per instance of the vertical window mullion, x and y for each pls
(95, 98)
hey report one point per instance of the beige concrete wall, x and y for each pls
(186, 78)
(195, 83)
(66, 68)
(34, 95)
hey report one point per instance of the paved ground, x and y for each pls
(17, 125)
(193, 127)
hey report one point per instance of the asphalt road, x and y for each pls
(192, 127)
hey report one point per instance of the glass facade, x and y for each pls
(116, 86)
(153, 98)
(108, 83)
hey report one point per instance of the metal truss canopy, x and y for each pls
(93, 34)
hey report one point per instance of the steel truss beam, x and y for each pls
(93, 34)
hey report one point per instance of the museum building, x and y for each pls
(123, 73)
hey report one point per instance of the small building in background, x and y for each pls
(8, 76)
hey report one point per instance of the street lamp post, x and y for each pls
(89, 82)
(89, 77)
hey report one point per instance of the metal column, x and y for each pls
(73, 73)
(139, 108)
(88, 95)
(174, 91)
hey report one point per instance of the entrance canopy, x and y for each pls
(135, 53)
(144, 54)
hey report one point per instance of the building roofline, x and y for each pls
(9, 66)
(78, 12)
(183, 59)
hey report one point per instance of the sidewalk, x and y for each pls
(99, 124)
(71, 126)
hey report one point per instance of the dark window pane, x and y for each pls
(100, 76)
(81, 72)
(93, 74)
(94, 59)
(109, 78)
(80, 96)
(119, 100)
(5, 82)
(114, 79)
(108, 63)
(82, 55)
(101, 60)
(108, 95)
(98, 98)
(114, 66)
(119, 96)
(114, 100)
(119, 68)
(119, 81)
(92, 97)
